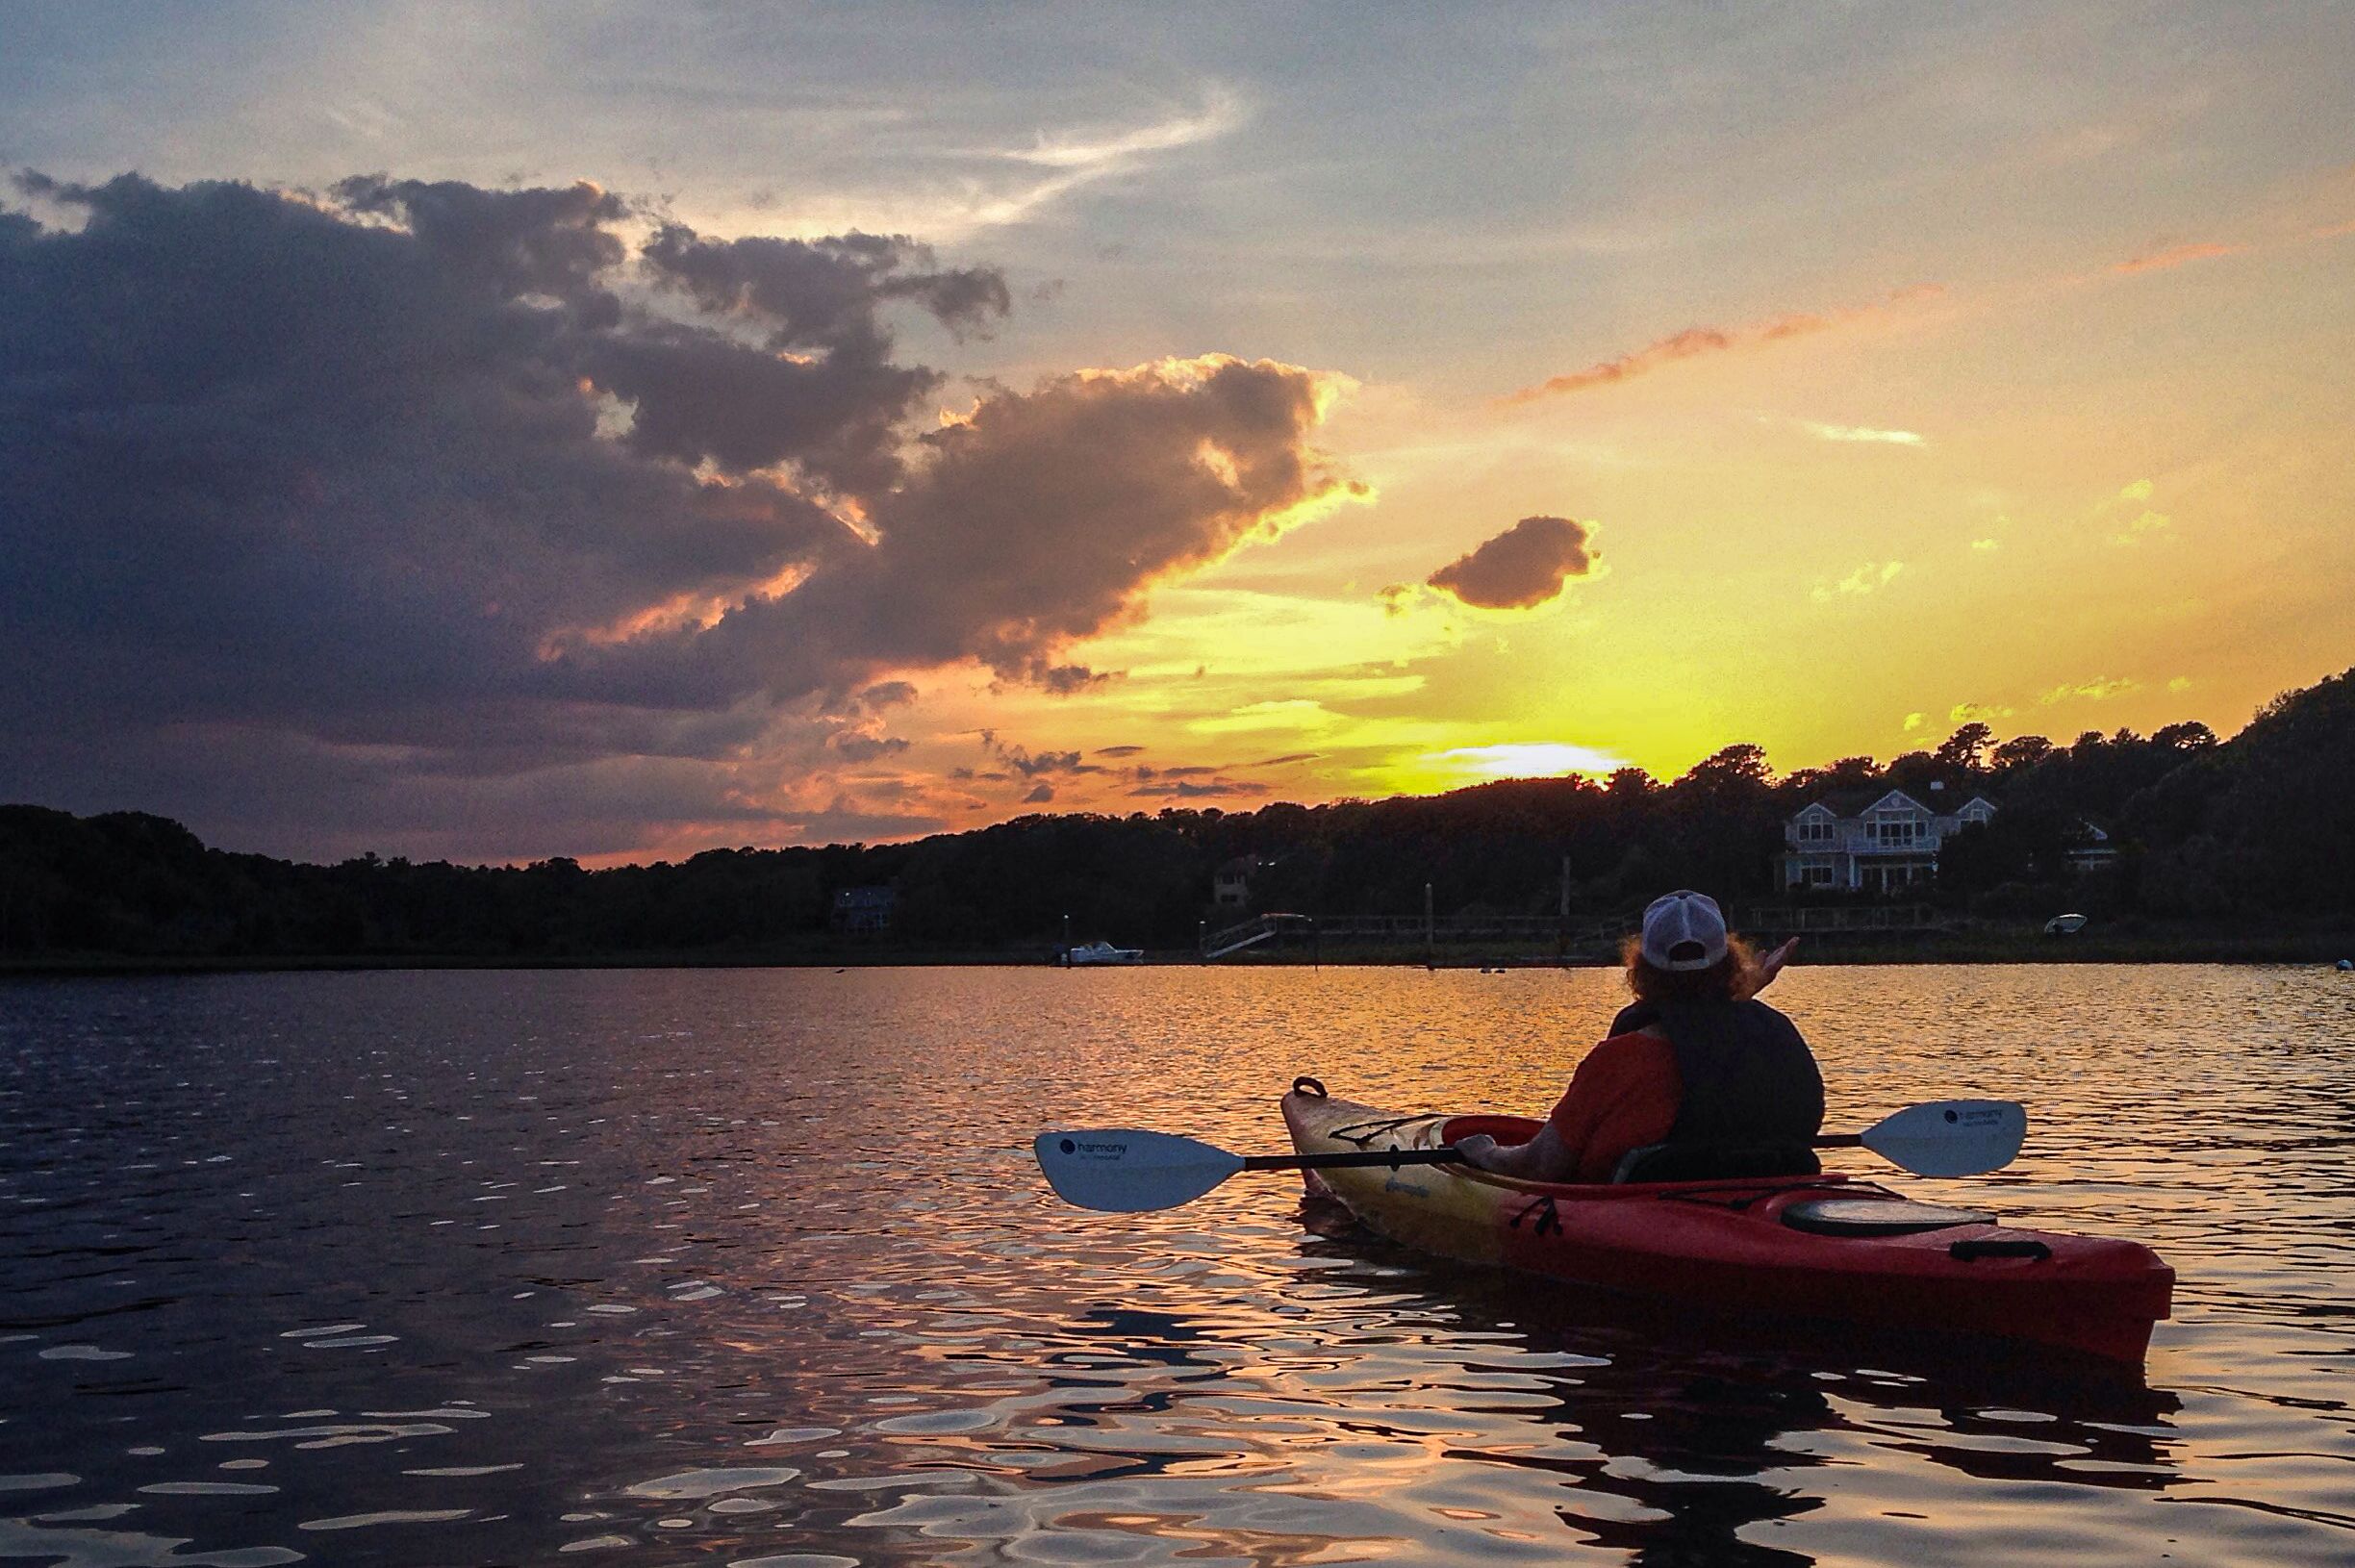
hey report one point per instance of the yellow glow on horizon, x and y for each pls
(1437, 770)
(1528, 759)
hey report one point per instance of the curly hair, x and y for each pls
(1729, 979)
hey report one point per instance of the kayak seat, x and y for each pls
(1715, 1162)
(1877, 1217)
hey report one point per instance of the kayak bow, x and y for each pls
(1815, 1246)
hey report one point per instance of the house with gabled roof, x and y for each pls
(1872, 841)
(2093, 850)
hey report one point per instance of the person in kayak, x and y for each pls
(1696, 1063)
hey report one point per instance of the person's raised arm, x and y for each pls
(1768, 966)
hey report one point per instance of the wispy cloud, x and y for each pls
(2133, 520)
(1862, 433)
(1082, 160)
(1694, 342)
(1968, 712)
(1295, 712)
(2160, 261)
(1206, 790)
(1869, 578)
(1222, 112)
(2092, 691)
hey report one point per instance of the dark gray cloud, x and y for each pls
(863, 747)
(1028, 764)
(1524, 566)
(821, 293)
(1186, 790)
(1046, 517)
(467, 484)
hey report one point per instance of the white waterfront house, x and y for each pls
(1231, 885)
(1872, 842)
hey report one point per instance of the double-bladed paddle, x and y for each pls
(1123, 1171)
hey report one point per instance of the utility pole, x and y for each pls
(1561, 935)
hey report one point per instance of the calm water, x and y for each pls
(751, 1267)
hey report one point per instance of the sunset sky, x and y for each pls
(616, 431)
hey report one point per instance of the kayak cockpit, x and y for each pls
(1659, 1164)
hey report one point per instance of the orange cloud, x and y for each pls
(2159, 261)
(1694, 342)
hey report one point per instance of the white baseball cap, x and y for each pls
(1684, 930)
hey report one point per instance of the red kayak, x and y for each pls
(1815, 1246)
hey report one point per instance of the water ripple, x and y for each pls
(503, 1266)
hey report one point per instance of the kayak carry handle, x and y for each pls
(1971, 1251)
(1307, 1085)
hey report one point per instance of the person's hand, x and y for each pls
(1771, 966)
(1478, 1149)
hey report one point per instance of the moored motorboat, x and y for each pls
(1089, 954)
(1817, 1245)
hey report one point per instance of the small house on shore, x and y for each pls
(864, 909)
(1867, 841)
(2093, 851)
(1230, 884)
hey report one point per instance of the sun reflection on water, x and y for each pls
(772, 1278)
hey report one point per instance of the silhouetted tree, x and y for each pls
(2264, 821)
(2023, 751)
(1961, 750)
(2189, 735)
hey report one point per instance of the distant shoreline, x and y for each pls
(1958, 949)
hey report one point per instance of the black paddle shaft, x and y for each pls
(1392, 1157)
(1446, 1155)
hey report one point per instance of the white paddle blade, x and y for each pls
(1951, 1137)
(1125, 1172)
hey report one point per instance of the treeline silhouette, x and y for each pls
(2260, 826)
